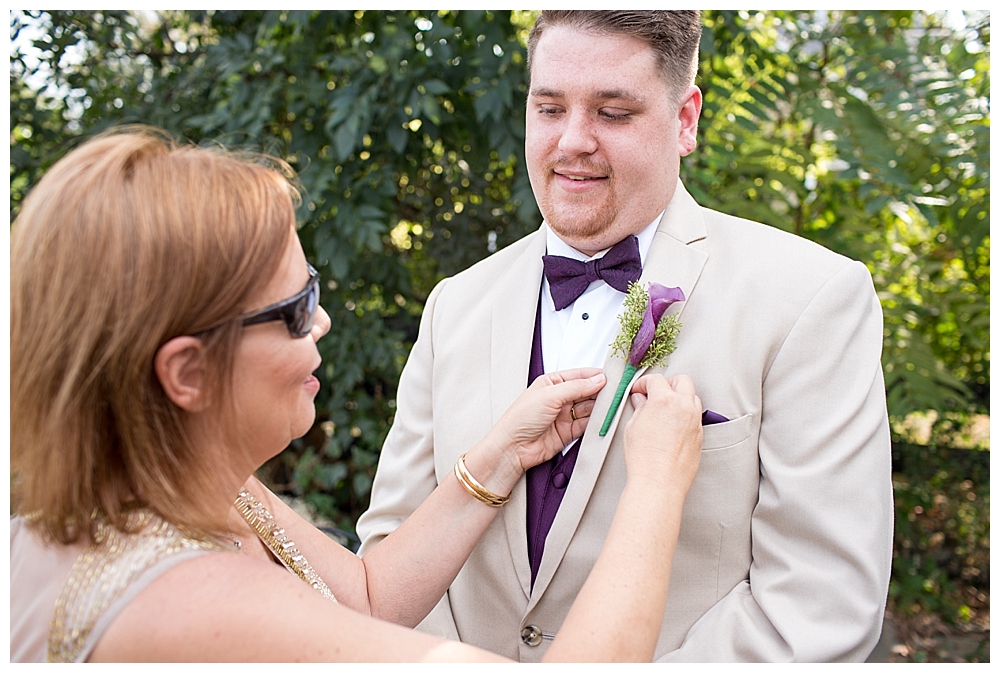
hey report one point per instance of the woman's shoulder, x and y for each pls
(38, 571)
(236, 608)
(218, 607)
(71, 593)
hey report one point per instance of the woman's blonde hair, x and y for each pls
(129, 241)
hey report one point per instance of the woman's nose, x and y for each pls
(321, 325)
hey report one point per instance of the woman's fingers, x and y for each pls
(572, 374)
(578, 415)
(682, 384)
(660, 387)
(581, 410)
(573, 390)
(663, 437)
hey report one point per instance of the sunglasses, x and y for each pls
(298, 311)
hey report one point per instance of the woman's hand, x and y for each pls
(662, 450)
(546, 418)
(663, 437)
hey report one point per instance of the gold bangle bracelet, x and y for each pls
(475, 489)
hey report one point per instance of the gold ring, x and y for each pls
(572, 413)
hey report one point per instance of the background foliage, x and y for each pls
(867, 132)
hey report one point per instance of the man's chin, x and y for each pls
(589, 236)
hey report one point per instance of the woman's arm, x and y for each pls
(618, 613)
(407, 573)
(231, 607)
(227, 607)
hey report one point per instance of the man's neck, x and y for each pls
(556, 245)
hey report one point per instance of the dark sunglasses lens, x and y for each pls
(305, 312)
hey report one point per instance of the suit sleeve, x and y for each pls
(405, 476)
(822, 526)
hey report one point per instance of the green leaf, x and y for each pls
(436, 87)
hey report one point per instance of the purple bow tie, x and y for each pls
(569, 278)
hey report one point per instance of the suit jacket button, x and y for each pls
(531, 635)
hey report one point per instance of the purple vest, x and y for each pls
(547, 482)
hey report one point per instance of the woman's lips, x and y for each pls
(311, 384)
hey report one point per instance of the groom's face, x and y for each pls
(604, 136)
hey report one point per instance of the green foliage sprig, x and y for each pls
(630, 318)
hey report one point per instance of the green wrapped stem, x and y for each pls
(619, 394)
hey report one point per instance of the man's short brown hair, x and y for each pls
(674, 36)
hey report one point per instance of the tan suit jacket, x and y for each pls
(785, 543)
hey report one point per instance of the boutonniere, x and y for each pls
(647, 335)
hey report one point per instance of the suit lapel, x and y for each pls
(512, 324)
(671, 262)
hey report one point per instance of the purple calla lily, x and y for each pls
(660, 299)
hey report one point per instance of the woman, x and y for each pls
(163, 342)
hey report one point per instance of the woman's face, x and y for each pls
(274, 385)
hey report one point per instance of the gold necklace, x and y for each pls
(281, 546)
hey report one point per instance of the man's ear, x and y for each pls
(180, 367)
(688, 114)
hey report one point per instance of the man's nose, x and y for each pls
(578, 135)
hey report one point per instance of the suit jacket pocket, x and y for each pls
(724, 435)
(715, 548)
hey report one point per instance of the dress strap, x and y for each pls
(274, 538)
(106, 569)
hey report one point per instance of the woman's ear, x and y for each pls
(180, 367)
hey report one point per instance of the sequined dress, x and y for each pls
(63, 598)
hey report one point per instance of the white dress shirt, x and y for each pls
(580, 334)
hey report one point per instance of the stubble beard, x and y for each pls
(580, 221)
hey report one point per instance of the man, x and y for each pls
(785, 545)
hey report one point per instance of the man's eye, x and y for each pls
(615, 114)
